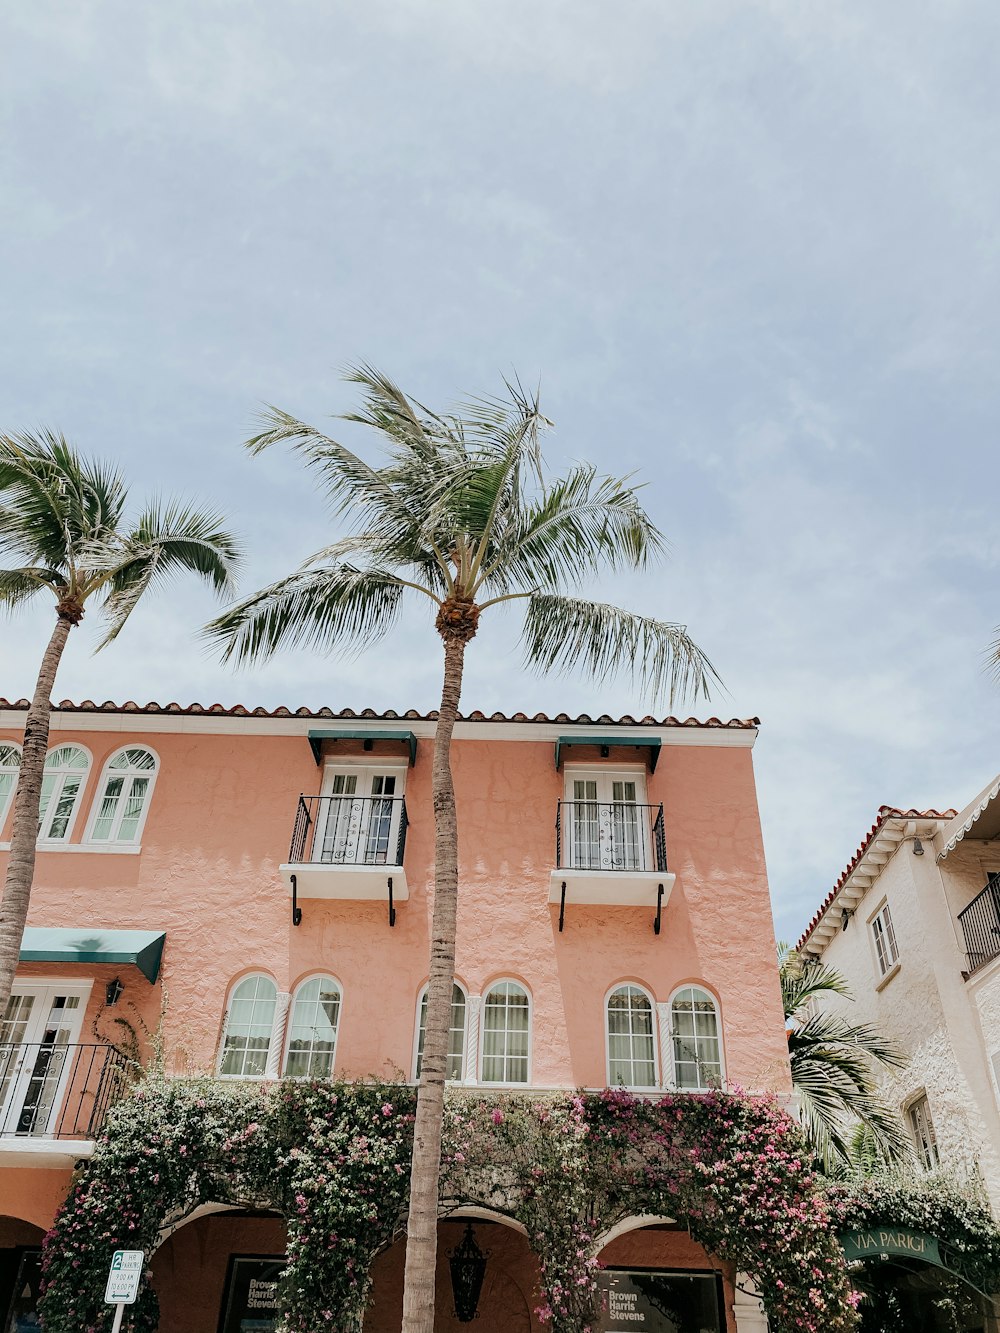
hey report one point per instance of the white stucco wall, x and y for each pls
(945, 1023)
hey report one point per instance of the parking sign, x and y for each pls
(123, 1278)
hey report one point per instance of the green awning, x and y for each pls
(51, 944)
(316, 739)
(650, 743)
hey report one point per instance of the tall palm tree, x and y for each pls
(462, 515)
(834, 1068)
(62, 519)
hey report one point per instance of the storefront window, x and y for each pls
(251, 1298)
(660, 1302)
(19, 1302)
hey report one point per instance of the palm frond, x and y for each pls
(18, 586)
(53, 500)
(166, 539)
(862, 1042)
(802, 982)
(334, 609)
(562, 633)
(581, 523)
(412, 428)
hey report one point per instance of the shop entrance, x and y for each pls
(914, 1281)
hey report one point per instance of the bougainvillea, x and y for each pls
(333, 1159)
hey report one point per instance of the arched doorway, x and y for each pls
(217, 1270)
(510, 1280)
(908, 1279)
(20, 1273)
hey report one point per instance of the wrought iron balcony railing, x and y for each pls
(610, 836)
(980, 923)
(349, 831)
(54, 1091)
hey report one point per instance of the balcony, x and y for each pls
(980, 923)
(610, 854)
(348, 847)
(51, 1093)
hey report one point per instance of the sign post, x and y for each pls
(123, 1282)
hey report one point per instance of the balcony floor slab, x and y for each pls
(324, 879)
(611, 888)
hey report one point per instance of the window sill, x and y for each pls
(884, 981)
(101, 849)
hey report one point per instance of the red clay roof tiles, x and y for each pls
(88, 706)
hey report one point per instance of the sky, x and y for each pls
(750, 250)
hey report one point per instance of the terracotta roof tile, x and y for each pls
(238, 710)
(885, 813)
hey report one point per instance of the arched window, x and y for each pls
(456, 1035)
(631, 1041)
(62, 781)
(249, 1022)
(312, 1032)
(128, 779)
(10, 767)
(506, 1033)
(694, 1028)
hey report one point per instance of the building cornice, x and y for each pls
(217, 719)
(892, 827)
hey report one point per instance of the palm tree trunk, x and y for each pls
(24, 835)
(421, 1227)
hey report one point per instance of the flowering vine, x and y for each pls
(333, 1159)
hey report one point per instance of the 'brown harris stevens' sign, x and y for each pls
(887, 1240)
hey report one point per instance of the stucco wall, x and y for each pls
(927, 1007)
(219, 826)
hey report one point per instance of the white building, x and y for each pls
(913, 923)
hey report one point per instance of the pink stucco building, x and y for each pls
(256, 888)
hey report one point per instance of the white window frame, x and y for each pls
(95, 806)
(919, 1108)
(697, 986)
(876, 933)
(421, 995)
(230, 995)
(45, 988)
(487, 991)
(289, 1023)
(7, 803)
(645, 991)
(45, 844)
(362, 766)
(601, 773)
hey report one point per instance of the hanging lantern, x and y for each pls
(468, 1268)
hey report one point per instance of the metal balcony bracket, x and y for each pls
(659, 909)
(562, 906)
(392, 910)
(296, 909)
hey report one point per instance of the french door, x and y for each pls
(38, 1032)
(361, 817)
(606, 828)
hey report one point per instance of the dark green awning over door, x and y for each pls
(57, 944)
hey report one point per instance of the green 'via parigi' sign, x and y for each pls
(887, 1239)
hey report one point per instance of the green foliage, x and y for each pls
(833, 1064)
(62, 518)
(462, 509)
(333, 1160)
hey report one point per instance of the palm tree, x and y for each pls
(460, 514)
(62, 519)
(834, 1072)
